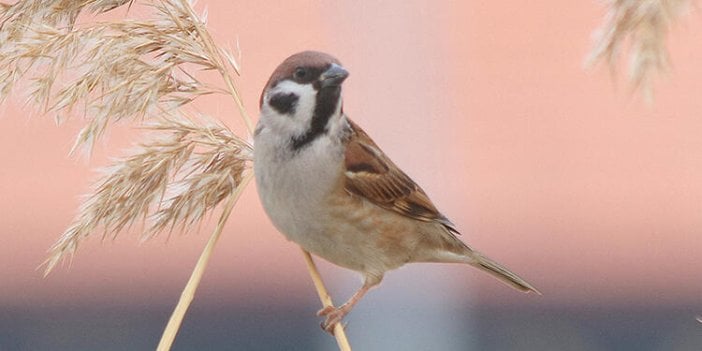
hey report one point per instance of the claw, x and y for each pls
(327, 328)
(334, 316)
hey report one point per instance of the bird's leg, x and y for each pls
(336, 314)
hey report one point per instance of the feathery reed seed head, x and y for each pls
(644, 26)
(173, 178)
(105, 71)
(138, 70)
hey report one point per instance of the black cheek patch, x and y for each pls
(284, 103)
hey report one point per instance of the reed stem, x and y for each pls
(188, 293)
(339, 332)
(215, 54)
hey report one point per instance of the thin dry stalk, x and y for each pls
(339, 333)
(188, 293)
(644, 26)
(218, 54)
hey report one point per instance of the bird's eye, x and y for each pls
(300, 73)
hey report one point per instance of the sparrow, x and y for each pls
(328, 187)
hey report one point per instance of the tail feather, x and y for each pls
(501, 273)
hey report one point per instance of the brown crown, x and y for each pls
(286, 69)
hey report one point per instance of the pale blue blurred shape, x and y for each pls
(543, 334)
(416, 308)
(686, 336)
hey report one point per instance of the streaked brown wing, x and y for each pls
(372, 175)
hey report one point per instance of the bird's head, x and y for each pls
(302, 95)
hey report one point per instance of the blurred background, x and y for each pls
(559, 173)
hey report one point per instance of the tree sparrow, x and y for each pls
(328, 187)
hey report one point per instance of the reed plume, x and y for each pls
(173, 178)
(642, 27)
(105, 71)
(144, 71)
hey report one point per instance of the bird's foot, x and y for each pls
(334, 315)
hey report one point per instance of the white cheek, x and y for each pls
(306, 104)
(299, 122)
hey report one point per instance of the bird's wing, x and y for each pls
(370, 174)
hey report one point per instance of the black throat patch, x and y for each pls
(325, 106)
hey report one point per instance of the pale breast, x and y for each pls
(292, 188)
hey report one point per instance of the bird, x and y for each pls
(327, 186)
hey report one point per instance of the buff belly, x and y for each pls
(305, 199)
(339, 227)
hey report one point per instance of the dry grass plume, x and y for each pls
(108, 71)
(641, 27)
(143, 71)
(181, 172)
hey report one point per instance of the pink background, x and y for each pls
(558, 172)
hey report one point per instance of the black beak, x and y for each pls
(333, 76)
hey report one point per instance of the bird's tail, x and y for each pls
(501, 272)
